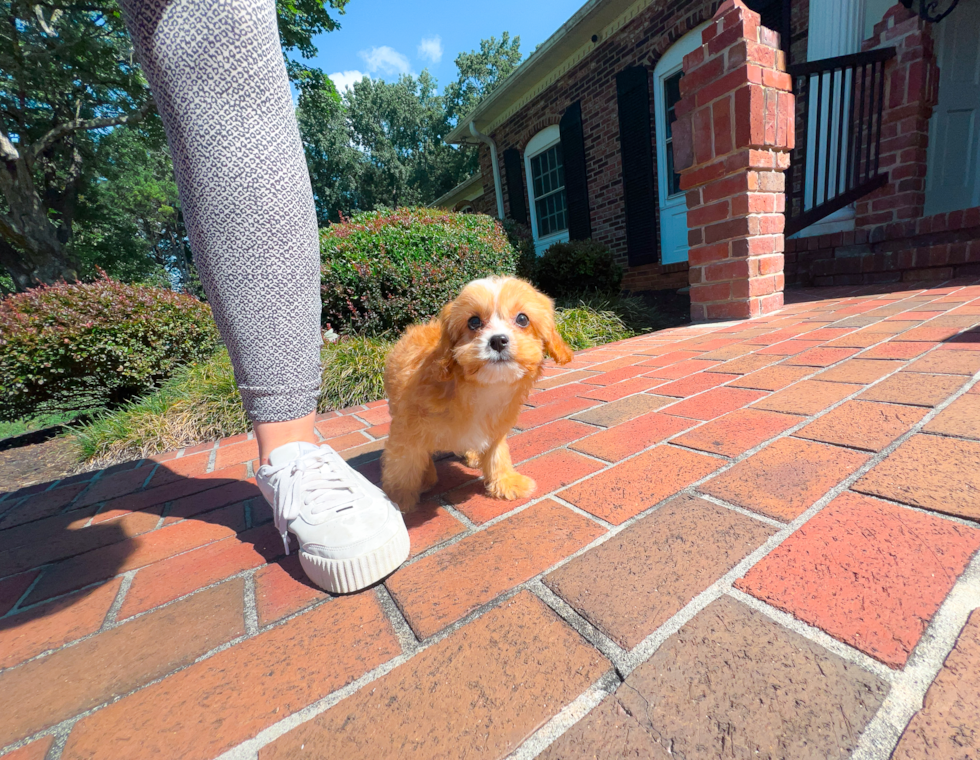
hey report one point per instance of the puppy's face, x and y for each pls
(500, 329)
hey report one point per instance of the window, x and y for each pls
(544, 170)
(672, 93)
(548, 180)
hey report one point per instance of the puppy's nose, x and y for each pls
(499, 342)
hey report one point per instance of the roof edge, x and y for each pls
(537, 59)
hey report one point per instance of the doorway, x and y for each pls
(953, 163)
(673, 203)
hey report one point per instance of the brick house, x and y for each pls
(616, 128)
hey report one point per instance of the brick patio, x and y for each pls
(750, 539)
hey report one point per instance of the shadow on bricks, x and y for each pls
(65, 544)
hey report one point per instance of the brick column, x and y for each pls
(732, 140)
(911, 92)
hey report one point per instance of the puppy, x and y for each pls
(458, 383)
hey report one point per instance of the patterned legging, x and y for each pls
(217, 75)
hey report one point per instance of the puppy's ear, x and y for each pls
(444, 360)
(555, 346)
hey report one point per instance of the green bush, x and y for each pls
(202, 403)
(383, 270)
(522, 241)
(577, 267)
(68, 347)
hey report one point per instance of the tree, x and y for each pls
(333, 161)
(480, 72)
(400, 129)
(128, 221)
(67, 75)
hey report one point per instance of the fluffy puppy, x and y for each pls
(458, 383)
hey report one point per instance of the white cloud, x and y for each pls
(430, 48)
(345, 79)
(386, 60)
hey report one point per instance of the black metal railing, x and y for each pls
(838, 135)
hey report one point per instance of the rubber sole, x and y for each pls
(345, 576)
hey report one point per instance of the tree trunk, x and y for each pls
(32, 246)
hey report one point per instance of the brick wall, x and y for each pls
(593, 81)
(911, 92)
(940, 247)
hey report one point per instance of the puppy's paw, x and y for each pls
(431, 477)
(406, 501)
(510, 486)
(471, 459)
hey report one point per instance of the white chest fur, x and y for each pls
(484, 404)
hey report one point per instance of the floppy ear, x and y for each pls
(443, 359)
(554, 345)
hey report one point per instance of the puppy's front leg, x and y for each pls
(405, 471)
(502, 480)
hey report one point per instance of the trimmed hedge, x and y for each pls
(567, 270)
(383, 270)
(86, 345)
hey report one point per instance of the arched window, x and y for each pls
(545, 171)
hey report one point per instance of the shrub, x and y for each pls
(202, 403)
(577, 267)
(383, 270)
(522, 241)
(82, 346)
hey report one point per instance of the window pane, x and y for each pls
(672, 93)
(673, 178)
(548, 182)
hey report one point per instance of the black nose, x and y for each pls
(499, 342)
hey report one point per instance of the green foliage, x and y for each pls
(353, 372)
(81, 346)
(480, 72)
(201, 402)
(382, 271)
(334, 164)
(577, 267)
(68, 75)
(31, 424)
(382, 144)
(128, 222)
(520, 237)
(399, 127)
(602, 319)
(582, 326)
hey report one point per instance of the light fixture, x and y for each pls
(933, 11)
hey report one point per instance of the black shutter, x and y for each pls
(636, 148)
(576, 182)
(515, 185)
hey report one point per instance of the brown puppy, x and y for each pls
(458, 383)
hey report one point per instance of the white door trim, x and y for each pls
(546, 138)
(669, 64)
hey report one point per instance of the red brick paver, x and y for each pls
(868, 572)
(947, 725)
(148, 610)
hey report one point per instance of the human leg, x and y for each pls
(219, 81)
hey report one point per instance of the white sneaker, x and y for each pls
(350, 534)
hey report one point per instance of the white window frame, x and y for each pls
(544, 140)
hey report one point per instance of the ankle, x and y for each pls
(271, 435)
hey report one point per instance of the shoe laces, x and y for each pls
(318, 480)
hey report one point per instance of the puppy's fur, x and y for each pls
(458, 383)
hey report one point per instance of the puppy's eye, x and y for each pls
(475, 323)
(522, 320)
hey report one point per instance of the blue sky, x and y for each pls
(382, 38)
